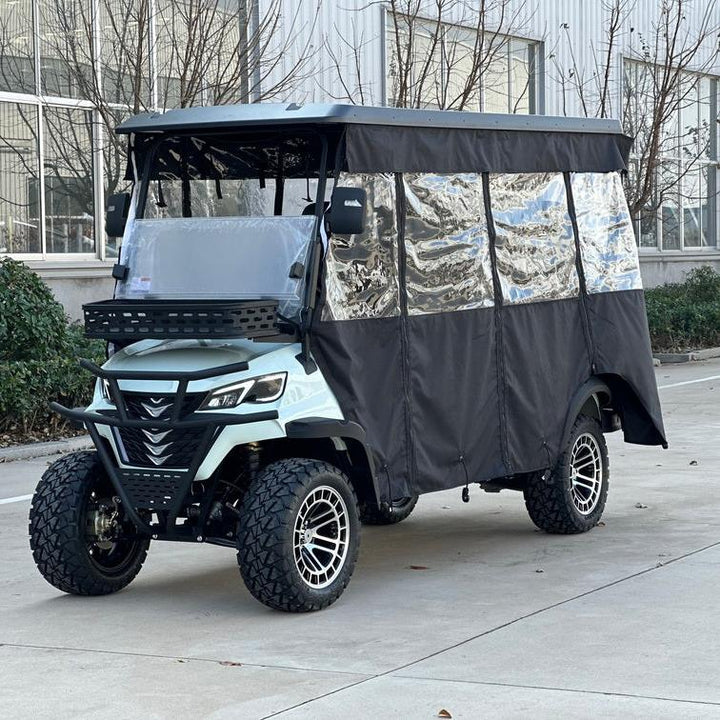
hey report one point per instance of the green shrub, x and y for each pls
(685, 316)
(32, 322)
(38, 352)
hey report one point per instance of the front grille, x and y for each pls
(160, 448)
(142, 405)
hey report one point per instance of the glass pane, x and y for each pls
(695, 210)
(19, 171)
(66, 29)
(69, 206)
(361, 275)
(690, 128)
(638, 91)
(125, 48)
(115, 166)
(707, 122)
(393, 69)
(17, 59)
(462, 92)
(428, 86)
(535, 246)
(670, 208)
(520, 77)
(495, 83)
(607, 241)
(446, 242)
(648, 228)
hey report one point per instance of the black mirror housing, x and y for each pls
(118, 207)
(347, 211)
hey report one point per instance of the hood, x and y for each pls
(187, 355)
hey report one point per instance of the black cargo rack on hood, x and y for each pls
(170, 319)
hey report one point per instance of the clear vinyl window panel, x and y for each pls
(209, 258)
(361, 271)
(607, 241)
(535, 246)
(446, 244)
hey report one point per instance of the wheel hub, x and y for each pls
(586, 473)
(321, 537)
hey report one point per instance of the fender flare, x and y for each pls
(588, 391)
(346, 430)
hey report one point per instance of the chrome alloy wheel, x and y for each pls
(321, 537)
(586, 473)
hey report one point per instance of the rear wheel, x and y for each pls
(81, 540)
(298, 535)
(372, 514)
(573, 498)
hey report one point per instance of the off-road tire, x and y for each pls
(372, 514)
(265, 534)
(549, 502)
(58, 538)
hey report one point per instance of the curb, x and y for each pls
(695, 355)
(39, 449)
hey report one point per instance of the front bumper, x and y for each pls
(155, 490)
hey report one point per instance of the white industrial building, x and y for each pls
(551, 57)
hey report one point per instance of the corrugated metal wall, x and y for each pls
(573, 35)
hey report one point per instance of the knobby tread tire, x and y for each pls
(56, 537)
(265, 529)
(549, 502)
(372, 514)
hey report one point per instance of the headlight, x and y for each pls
(266, 388)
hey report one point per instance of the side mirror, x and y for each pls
(347, 211)
(118, 207)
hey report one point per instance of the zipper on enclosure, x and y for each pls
(499, 348)
(404, 339)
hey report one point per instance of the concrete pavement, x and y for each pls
(502, 622)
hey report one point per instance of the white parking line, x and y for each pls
(689, 382)
(17, 498)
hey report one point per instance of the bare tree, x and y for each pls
(441, 53)
(662, 72)
(140, 56)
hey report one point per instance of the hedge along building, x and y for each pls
(69, 69)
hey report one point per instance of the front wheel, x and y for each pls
(80, 538)
(298, 535)
(572, 499)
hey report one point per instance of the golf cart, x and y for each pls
(322, 312)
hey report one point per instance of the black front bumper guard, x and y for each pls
(176, 483)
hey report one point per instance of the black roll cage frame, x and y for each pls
(312, 271)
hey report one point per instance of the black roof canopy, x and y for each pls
(384, 139)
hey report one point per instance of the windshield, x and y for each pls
(219, 218)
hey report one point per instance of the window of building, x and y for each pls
(682, 215)
(53, 54)
(66, 47)
(19, 173)
(17, 47)
(69, 188)
(440, 69)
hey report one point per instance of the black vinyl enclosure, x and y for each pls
(497, 274)
(496, 277)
